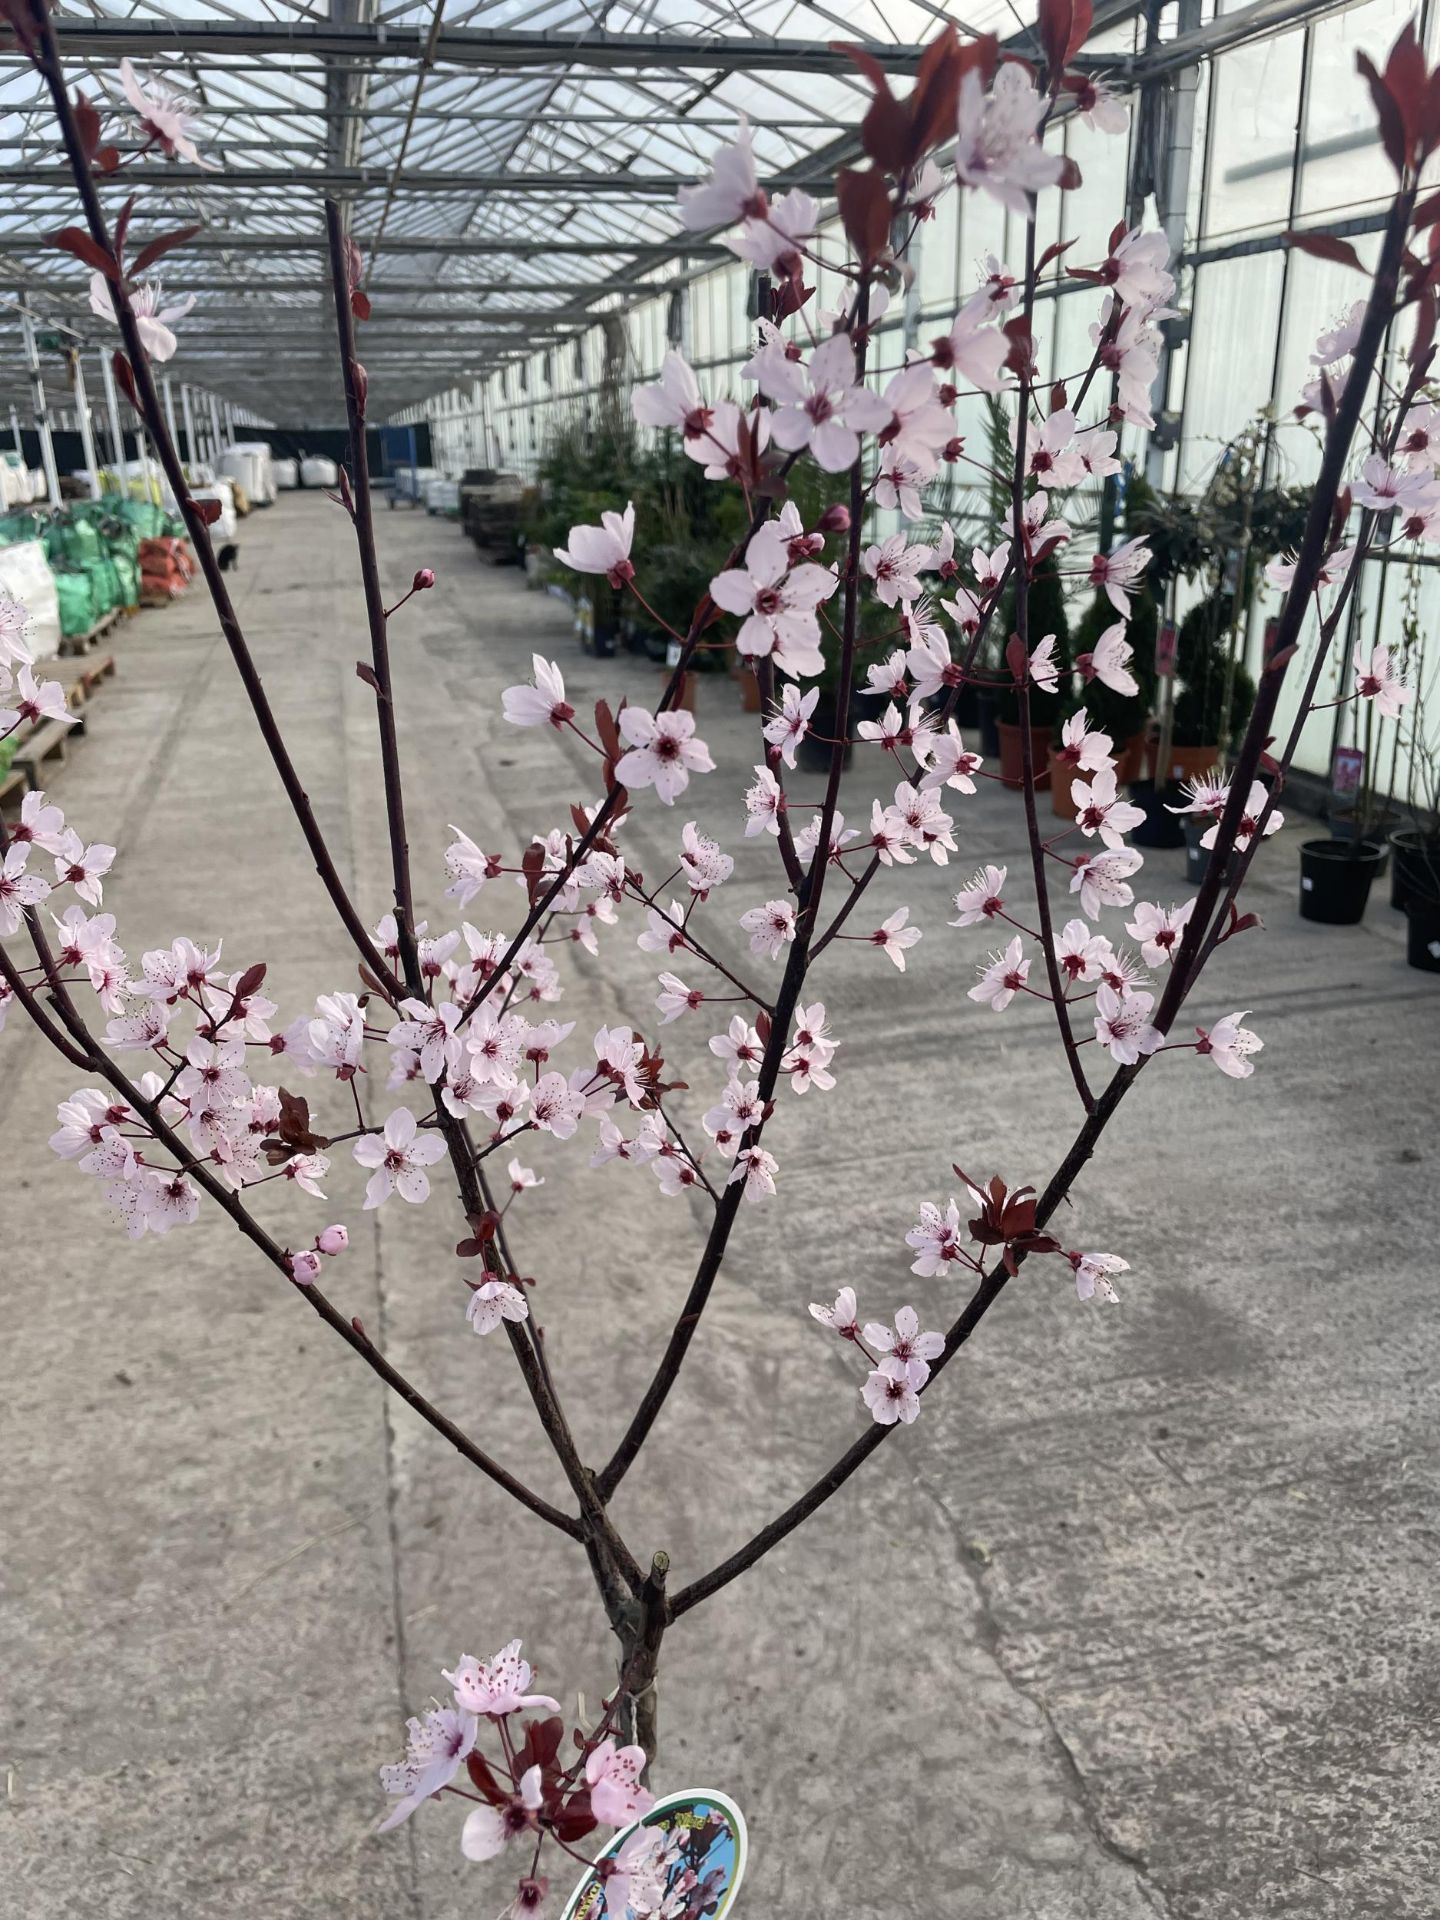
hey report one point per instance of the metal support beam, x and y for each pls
(42, 412)
(499, 49)
(83, 421)
(347, 182)
(112, 411)
(192, 451)
(247, 240)
(1262, 20)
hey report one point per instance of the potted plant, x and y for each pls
(1337, 872)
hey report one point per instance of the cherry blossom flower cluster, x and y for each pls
(523, 1793)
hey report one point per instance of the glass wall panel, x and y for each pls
(1231, 363)
(1256, 102)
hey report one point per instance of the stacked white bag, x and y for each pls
(25, 576)
(224, 528)
(317, 472)
(249, 463)
(287, 475)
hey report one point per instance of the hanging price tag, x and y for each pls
(1165, 650)
(1347, 772)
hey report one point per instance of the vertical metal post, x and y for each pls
(84, 422)
(218, 441)
(42, 416)
(192, 450)
(112, 409)
(168, 388)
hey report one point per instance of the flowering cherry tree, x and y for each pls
(418, 1083)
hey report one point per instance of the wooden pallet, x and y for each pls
(73, 643)
(13, 785)
(101, 670)
(47, 742)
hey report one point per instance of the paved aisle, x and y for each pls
(1137, 1620)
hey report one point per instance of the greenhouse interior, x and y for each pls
(494, 502)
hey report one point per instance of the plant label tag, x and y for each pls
(672, 654)
(1346, 774)
(686, 1856)
(1165, 650)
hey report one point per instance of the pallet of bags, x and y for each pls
(166, 570)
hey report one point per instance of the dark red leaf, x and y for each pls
(1016, 658)
(1392, 124)
(364, 671)
(107, 160)
(360, 303)
(122, 227)
(484, 1781)
(532, 865)
(250, 981)
(864, 202)
(75, 240)
(87, 125)
(1053, 252)
(157, 248)
(575, 1820)
(1325, 246)
(608, 731)
(208, 510)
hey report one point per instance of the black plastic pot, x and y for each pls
(1160, 827)
(1345, 827)
(1414, 865)
(1198, 858)
(1422, 945)
(1335, 880)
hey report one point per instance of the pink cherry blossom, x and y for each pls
(739, 1046)
(895, 566)
(399, 1157)
(1099, 809)
(893, 936)
(1377, 678)
(1123, 1026)
(541, 704)
(906, 1344)
(1101, 879)
(165, 116)
(820, 406)
(769, 927)
(1080, 951)
(675, 401)
(841, 1318)
(764, 803)
(19, 890)
(705, 865)
(305, 1267)
(1049, 453)
(1255, 803)
(494, 1301)
(1120, 571)
(1381, 486)
(603, 549)
(982, 899)
(936, 1239)
(972, 348)
(153, 320)
(778, 602)
(1003, 977)
(1158, 929)
(889, 1395)
(556, 1105)
(663, 752)
(1092, 1274)
(791, 720)
(952, 764)
(1044, 669)
(757, 1169)
(1230, 1045)
(435, 1751)
(489, 1830)
(998, 149)
(1110, 662)
(332, 1240)
(731, 190)
(35, 700)
(613, 1776)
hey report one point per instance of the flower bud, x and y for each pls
(332, 1240)
(423, 579)
(835, 519)
(305, 1267)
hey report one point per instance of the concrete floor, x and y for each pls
(1137, 1620)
